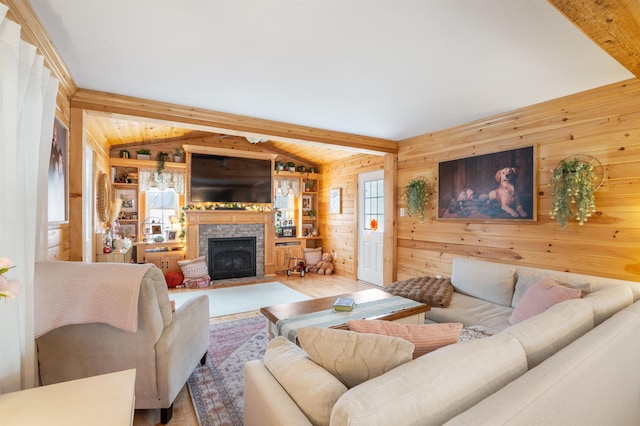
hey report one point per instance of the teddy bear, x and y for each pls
(325, 266)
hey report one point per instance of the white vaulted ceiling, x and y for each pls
(390, 69)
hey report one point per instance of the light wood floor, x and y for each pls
(312, 285)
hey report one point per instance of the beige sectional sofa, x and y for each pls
(575, 363)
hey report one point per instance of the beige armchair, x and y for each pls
(164, 350)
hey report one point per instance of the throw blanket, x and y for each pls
(435, 292)
(78, 293)
(288, 327)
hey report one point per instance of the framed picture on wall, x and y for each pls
(335, 200)
(306, 203)
(128, 197)
(58, 176)
(497, 186)
(128, 231)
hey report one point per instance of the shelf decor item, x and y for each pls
(575, 181)
(291, 166)
(178, 155)
(416, 196)
(143, 154)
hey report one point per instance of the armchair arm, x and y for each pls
(182, 344)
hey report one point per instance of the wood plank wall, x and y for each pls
(603, 122)
(339, 231)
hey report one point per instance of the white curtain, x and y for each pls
(164, 180)
(284, 185)
(27, 109)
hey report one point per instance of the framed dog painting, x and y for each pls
(496, 186)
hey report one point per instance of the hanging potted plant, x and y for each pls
(574, 183)
(416, 197)
(161, 158)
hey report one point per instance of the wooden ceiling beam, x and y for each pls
(614, 25)
(212, 121)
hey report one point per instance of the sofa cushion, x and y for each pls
(293, 369)
(194, 270)
(493, 282)
(471, 311)
(540, 297)
(425, 337)
(543, 335)
(435, 387)
(607, 302)
(428, 290)
(528, 277)
(354, 357)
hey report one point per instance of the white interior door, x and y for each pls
(371, 227)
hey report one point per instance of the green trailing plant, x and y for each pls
(161, 158)
(573, 195)
(416, 197)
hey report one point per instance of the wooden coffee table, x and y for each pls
(413, 315)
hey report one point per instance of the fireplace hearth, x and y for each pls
(232, 257)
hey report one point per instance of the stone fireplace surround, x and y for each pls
(204, 224)
(233, 231)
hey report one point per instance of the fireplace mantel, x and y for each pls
(195, 218)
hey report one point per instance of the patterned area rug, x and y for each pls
(217, 388)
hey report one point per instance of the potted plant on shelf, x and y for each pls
(291, 166)
(178, 154)
(574, 183)
(301, 169)
(279, 166)
(143, 154)
(416, 197)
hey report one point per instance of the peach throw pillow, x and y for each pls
(425, 337)
(540, 297)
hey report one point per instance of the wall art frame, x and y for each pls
(58, 178)
(498, 186)
(335, 200)
(129, 199)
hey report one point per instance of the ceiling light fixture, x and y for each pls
(255, 139)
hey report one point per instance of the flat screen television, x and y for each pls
(222, 179)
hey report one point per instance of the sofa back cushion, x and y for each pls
(493, 282)
(608, 301)
(354, 357)
(435, 387)
(528, 277)
(540, 297)
(543, 335)
(314, 389)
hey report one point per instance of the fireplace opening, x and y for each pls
(232, 257)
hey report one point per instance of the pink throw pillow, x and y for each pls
(540, 297)
(425, 337)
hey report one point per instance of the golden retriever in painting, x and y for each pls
(506, 193)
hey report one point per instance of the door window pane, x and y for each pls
(374, 205)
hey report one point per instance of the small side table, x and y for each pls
(115, 256)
